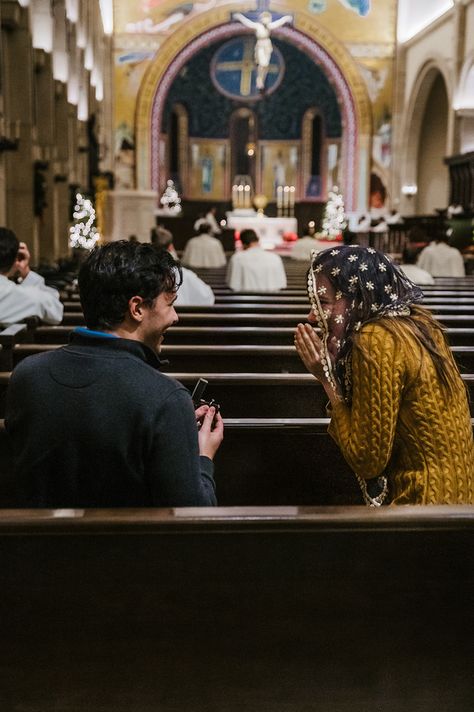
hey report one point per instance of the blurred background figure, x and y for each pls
(192, 290)
(412, 270)
(254, 269)
(309, 242)
(441, 260)
(210, 219)
(204, 250)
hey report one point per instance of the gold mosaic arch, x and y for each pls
(174, 45)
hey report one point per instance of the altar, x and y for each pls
(269, 230)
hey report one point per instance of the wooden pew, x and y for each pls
(297, 306)
(272, 609)
(231, 359)
(271, 461)
(259, 395)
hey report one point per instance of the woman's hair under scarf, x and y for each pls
(375, 288)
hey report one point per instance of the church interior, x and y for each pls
(347, 121)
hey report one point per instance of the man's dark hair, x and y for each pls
(409, 256)
(203, 228)
(248, 236)
(8, 249)
(114, 273)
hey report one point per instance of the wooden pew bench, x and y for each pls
(230, 358)
(297, 306)
(453, 317)
(262, 461)
(258, 395)
(228, 335)
(244, 609)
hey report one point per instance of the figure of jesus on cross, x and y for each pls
(263, 45)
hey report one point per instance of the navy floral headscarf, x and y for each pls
(372, 286)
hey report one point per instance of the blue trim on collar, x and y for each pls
(83, 331)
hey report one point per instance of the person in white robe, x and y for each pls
(441, 260)
(31, 297)
(204, 250)
(303, 247)
(254, 269)
(193, 292)
(411, 269)
(210, 219)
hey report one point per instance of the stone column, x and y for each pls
(18, 104)
(45, 121)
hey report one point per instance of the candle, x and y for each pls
(292, 199)
(286, 198)
(240, 201)
(279, 198)
(234, 196)
(247, 196)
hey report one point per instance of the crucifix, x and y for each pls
(263, 46)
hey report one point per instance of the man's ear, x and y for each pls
(136, 308)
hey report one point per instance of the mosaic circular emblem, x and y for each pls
(234, 73)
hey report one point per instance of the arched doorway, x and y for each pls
(433, 176)
(424, 177)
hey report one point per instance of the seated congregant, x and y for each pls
(254, 269)
(440, 259)
(307, 244)
(204, 250)
(412, 270)
(31, 297)
(192, 291)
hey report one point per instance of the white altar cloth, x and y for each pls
(269, 230)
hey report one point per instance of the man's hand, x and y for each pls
(210, 437)
(21, 266)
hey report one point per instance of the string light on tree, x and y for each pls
(334, 221)
(170, 199)
(83, 233)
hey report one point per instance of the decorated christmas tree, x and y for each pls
(170, 199)
(334, 221)
(83, 232)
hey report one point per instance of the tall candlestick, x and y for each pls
(286, 199)
(247, 196)
(292, 200)
(279, 197)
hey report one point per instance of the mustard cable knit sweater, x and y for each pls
(402, 423)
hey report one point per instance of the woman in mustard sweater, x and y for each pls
(399, 408)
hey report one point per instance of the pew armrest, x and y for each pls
(12, 333)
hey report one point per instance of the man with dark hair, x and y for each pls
(31, 297)
(253, 269)
(94, 423)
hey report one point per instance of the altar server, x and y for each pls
(254, 269)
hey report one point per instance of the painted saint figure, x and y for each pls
(263, 45)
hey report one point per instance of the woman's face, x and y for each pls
(335, 308)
